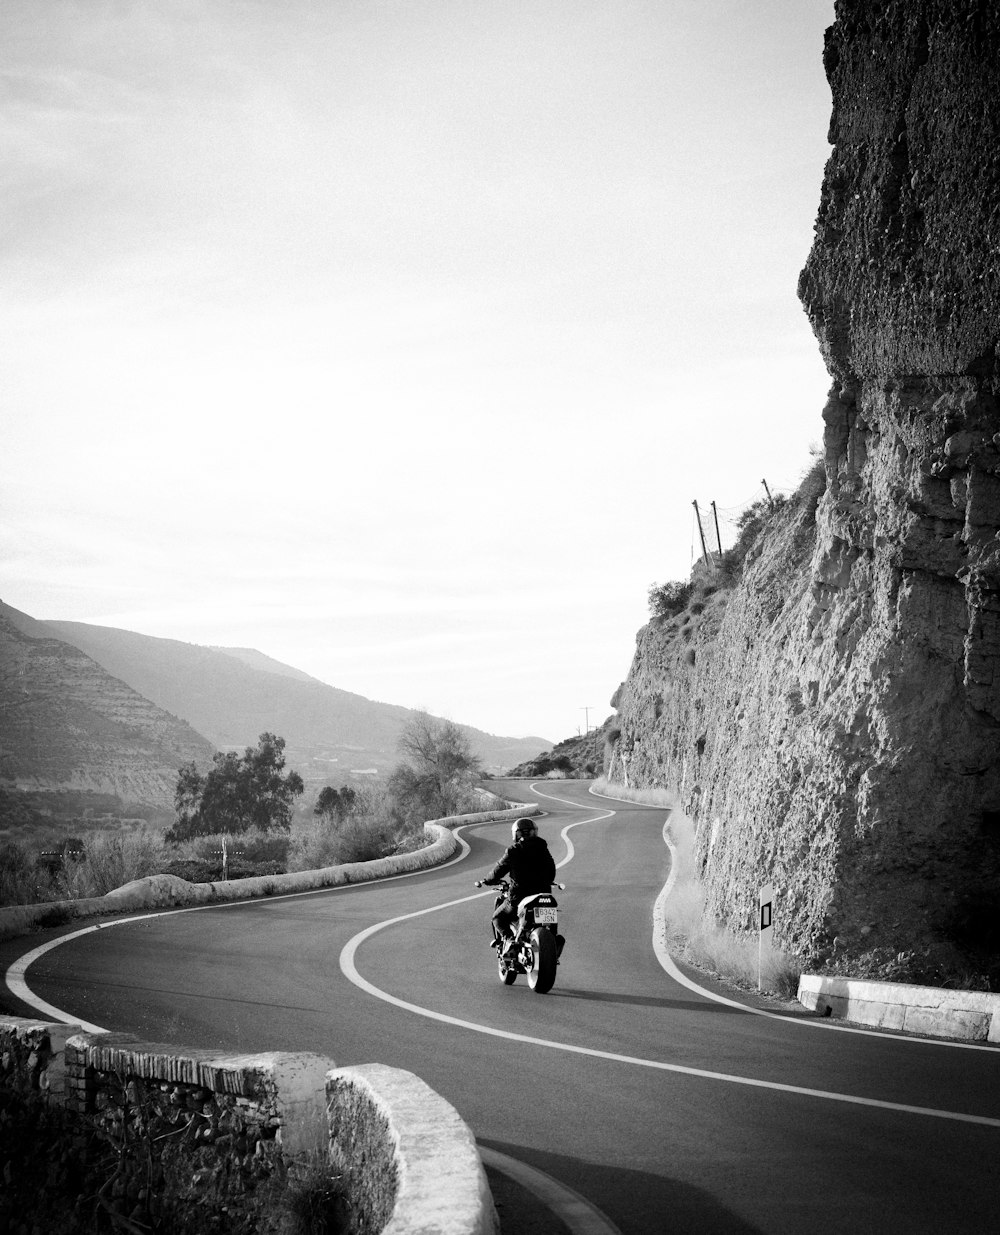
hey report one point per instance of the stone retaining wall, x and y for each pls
(970, 1015)
(205, 1128)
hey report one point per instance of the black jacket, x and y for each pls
(529, 866)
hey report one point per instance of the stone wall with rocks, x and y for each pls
(834, 719)
(144, 1134)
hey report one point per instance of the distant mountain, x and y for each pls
(232, 695)
(71, 731)
(257, 660)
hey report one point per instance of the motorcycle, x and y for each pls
(537, 942)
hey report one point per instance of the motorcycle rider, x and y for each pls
(529, 867)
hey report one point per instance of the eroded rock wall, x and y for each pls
(834, 721)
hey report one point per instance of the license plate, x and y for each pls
(546, 916)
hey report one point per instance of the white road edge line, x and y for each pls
(667, 962)
(16, 981)
(350, 971)
(574, 1210)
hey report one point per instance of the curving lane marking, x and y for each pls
(574, 1210)
(350, 970)
(16, 981)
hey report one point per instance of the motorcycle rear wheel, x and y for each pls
(542, 974)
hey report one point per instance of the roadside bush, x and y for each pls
(18, 883)
(194, 870)
(110, 859)
(357, 838)
(253, 853)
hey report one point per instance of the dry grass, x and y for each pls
(111, 859)
(645, 797)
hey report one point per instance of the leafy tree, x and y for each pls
(238, 793)
(335, 805)
(439, 772)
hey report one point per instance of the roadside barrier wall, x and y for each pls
(968, 1015)
(212, 1127)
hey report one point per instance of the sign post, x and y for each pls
(764, 928)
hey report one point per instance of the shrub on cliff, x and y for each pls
(666, 600)
(750, 526)
(812, 486)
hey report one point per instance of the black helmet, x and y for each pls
(523, 827)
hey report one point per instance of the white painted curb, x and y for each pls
(970, 1015)
(388, 1127)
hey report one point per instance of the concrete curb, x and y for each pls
(422, 1171)
(167, 891)
(972, 1016)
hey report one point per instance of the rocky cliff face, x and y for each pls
(834, 720)
(66, 724)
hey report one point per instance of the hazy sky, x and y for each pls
(395, 338)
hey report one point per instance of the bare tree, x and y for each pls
(439, 771)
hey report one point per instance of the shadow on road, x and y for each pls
(638, 1202)
(645, 1001)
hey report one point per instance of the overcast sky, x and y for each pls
(395, 338)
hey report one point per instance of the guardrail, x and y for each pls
(969, 1015)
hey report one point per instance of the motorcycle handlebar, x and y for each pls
(480, 884)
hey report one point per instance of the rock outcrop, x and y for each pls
(833, 721)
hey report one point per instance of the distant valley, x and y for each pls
(104, 710)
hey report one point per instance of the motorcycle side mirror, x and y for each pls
(560, 886)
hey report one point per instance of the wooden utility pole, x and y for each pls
(718, 538)
(701, 532)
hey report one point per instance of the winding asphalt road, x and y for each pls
(666, 1108)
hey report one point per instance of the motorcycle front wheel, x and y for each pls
(542, 974)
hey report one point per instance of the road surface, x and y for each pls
(665, 1108)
